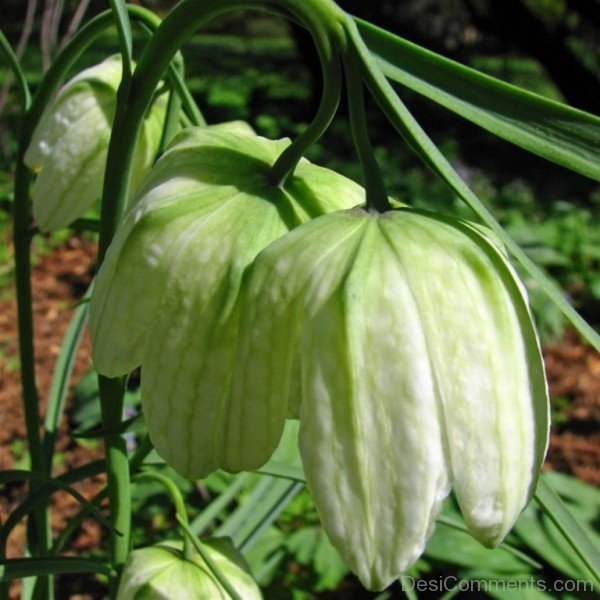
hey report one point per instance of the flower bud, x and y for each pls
(421, 371)
(69, 146)
(167, 294)
(162, 571)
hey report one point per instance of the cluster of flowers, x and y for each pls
(402, 342)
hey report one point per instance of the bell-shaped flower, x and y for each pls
(167, 294)
(163, 571)
(420, 371)
(69, 146)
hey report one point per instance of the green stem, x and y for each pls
(38, 524)
(321, 17)
(180, 512)
(377, 198)
(117, 471)
(177, 81)
(121, 20)
(332, 87)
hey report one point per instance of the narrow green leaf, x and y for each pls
(19, 568)
(554, 508)
(278, 501)
(39, 497)
(421, 144)
(407, 589)
(119, 9)
(449, 522)
(101, 432)
(13, 61)
(62, 376)
(555, 131)
(74, 523)
(264, 504)
(84, 224)
(206, 518)
(283, 470)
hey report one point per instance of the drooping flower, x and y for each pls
(420, 371)
(69, 146)
(162, 571)
(167, 294)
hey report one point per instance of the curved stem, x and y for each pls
(180, 512)
(177, 81)
(377, 198)
(13, 62)
(332, 88)
(321, 17)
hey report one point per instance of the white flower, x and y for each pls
(420, 371)
(167, 295)
(162, 571)
(69, 146)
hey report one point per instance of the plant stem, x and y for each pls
(38, 525)
(377, 198)
(180, 512)
(332, 86)
(117, 471)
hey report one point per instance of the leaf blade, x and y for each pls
(421, 144)
(554, 508)
(555, 131)
(19, 568)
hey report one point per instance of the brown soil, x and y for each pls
(60, 279)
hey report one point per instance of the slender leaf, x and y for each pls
(419, 141)
(409, 592)
(101, 432)
(451, 523)
(119, 9)
(13, 61)
(264, 504)
(283, 470)
(34, 500)
(205, 519)
(85, 224)
(75, 522)
(249, 507)
(42, 494)
(62, 376)
(555, 131)
(277, 502)
(19, 568)
(553, 506)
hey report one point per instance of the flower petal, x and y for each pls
(486, 362)
(369, 424)
(192, 346)
(370, 435)
(264, 384)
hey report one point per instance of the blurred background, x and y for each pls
(249, 66)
